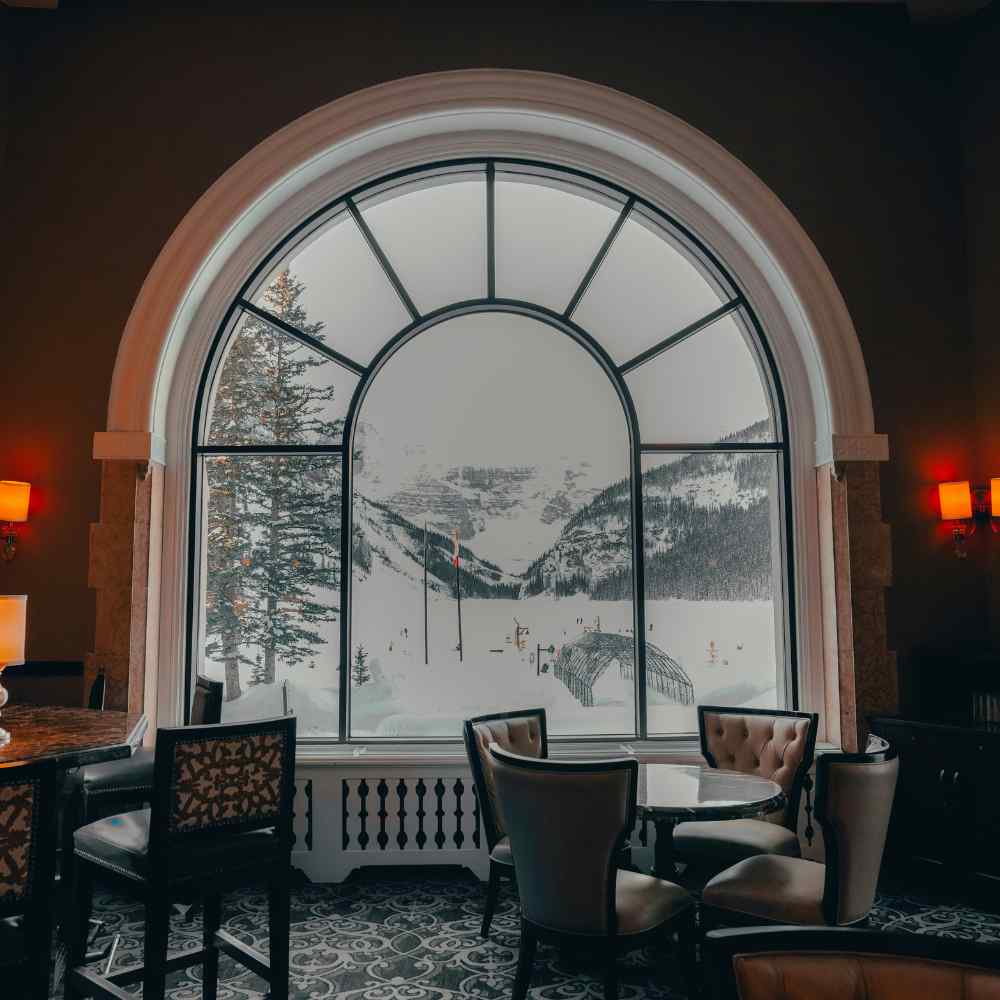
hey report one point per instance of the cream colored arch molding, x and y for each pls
(406, 122)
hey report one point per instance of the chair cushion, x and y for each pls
(132, 776)
(726, 841)
(644, 902)
(121, 843)
(501, 852)
(785, 890)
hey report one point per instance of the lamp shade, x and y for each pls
(13, 619)
(956, 501)
(995, 497)
(14, 500)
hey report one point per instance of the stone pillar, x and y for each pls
(119, 569)
(859, 570)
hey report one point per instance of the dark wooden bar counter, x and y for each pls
(71, 736)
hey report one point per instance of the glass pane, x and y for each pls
(270, 601)
(343, 287)
(546, 238)
(271, 389)
(645, 291)
(713, 583)
(503, 433)
(707, 388)
(435, 237)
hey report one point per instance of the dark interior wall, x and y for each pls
(978, 97)
(122, 120)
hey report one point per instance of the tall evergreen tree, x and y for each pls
(273, 520)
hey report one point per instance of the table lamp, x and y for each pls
(13, 617)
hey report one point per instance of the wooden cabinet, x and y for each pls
(947, 805)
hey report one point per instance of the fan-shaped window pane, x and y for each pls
(645, 291)
(707, 388)
(272, 389)
(711, 522)
(547, 235)
(434, 234)
(344, 288)
(527, 465)
(271, 586)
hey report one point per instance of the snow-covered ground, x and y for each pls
(726, 648)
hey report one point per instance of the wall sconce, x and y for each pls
(963, 505)
(13, 508)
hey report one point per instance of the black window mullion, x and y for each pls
(687, 448)
(268, 449)
(380, 256)
(491, 240)
(599, 259)
(680, 336)
(303, 338)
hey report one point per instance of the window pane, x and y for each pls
(546, 238)
(271, 389)
(343, 287)
(645, 291)
(713, 580)
(506, 432)
(270, 603)
(434, 234)
(707, 388)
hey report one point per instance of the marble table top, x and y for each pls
(689, 792)
(73, 736)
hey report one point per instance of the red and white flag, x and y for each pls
(454, 550)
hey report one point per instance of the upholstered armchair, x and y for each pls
(772, 744)
(522, 732)
(27, 868)
(854, 795)
(566, 822)
(824, 963)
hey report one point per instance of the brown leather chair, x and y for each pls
(770, 743)
(27, 868)
(853, 802)
(567, 822)
(826, 963)
(221, 819)
(522, 732)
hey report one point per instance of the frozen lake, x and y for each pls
(727, 649)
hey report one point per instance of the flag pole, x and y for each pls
(426, 640)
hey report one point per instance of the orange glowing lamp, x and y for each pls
(956, 501)
(995, 497)
(14, 500)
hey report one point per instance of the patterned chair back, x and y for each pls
(767, 742)
(522, 732)
(223, 778)
(27, 836)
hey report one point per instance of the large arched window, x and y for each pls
(489, 434)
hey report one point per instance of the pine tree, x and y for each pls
(273, 520)
(360, 674)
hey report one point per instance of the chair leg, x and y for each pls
(611, 975)
(154, 979)
(492, 894)
(78, 924)
(525, 960)
(211, 921)
(279, 904)
(38, 926)
(687, 954)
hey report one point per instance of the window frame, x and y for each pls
(682, 238)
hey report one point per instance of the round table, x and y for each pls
(669, 794)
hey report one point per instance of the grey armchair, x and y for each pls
(771, 743)
(854, 795)
(566, 822)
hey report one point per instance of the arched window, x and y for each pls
(488, 434)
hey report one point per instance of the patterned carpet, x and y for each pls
(411, 935)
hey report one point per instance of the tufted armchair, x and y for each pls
(769, 743)
(522, 732)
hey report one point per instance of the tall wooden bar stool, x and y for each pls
(221, 819)
(27, 867)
